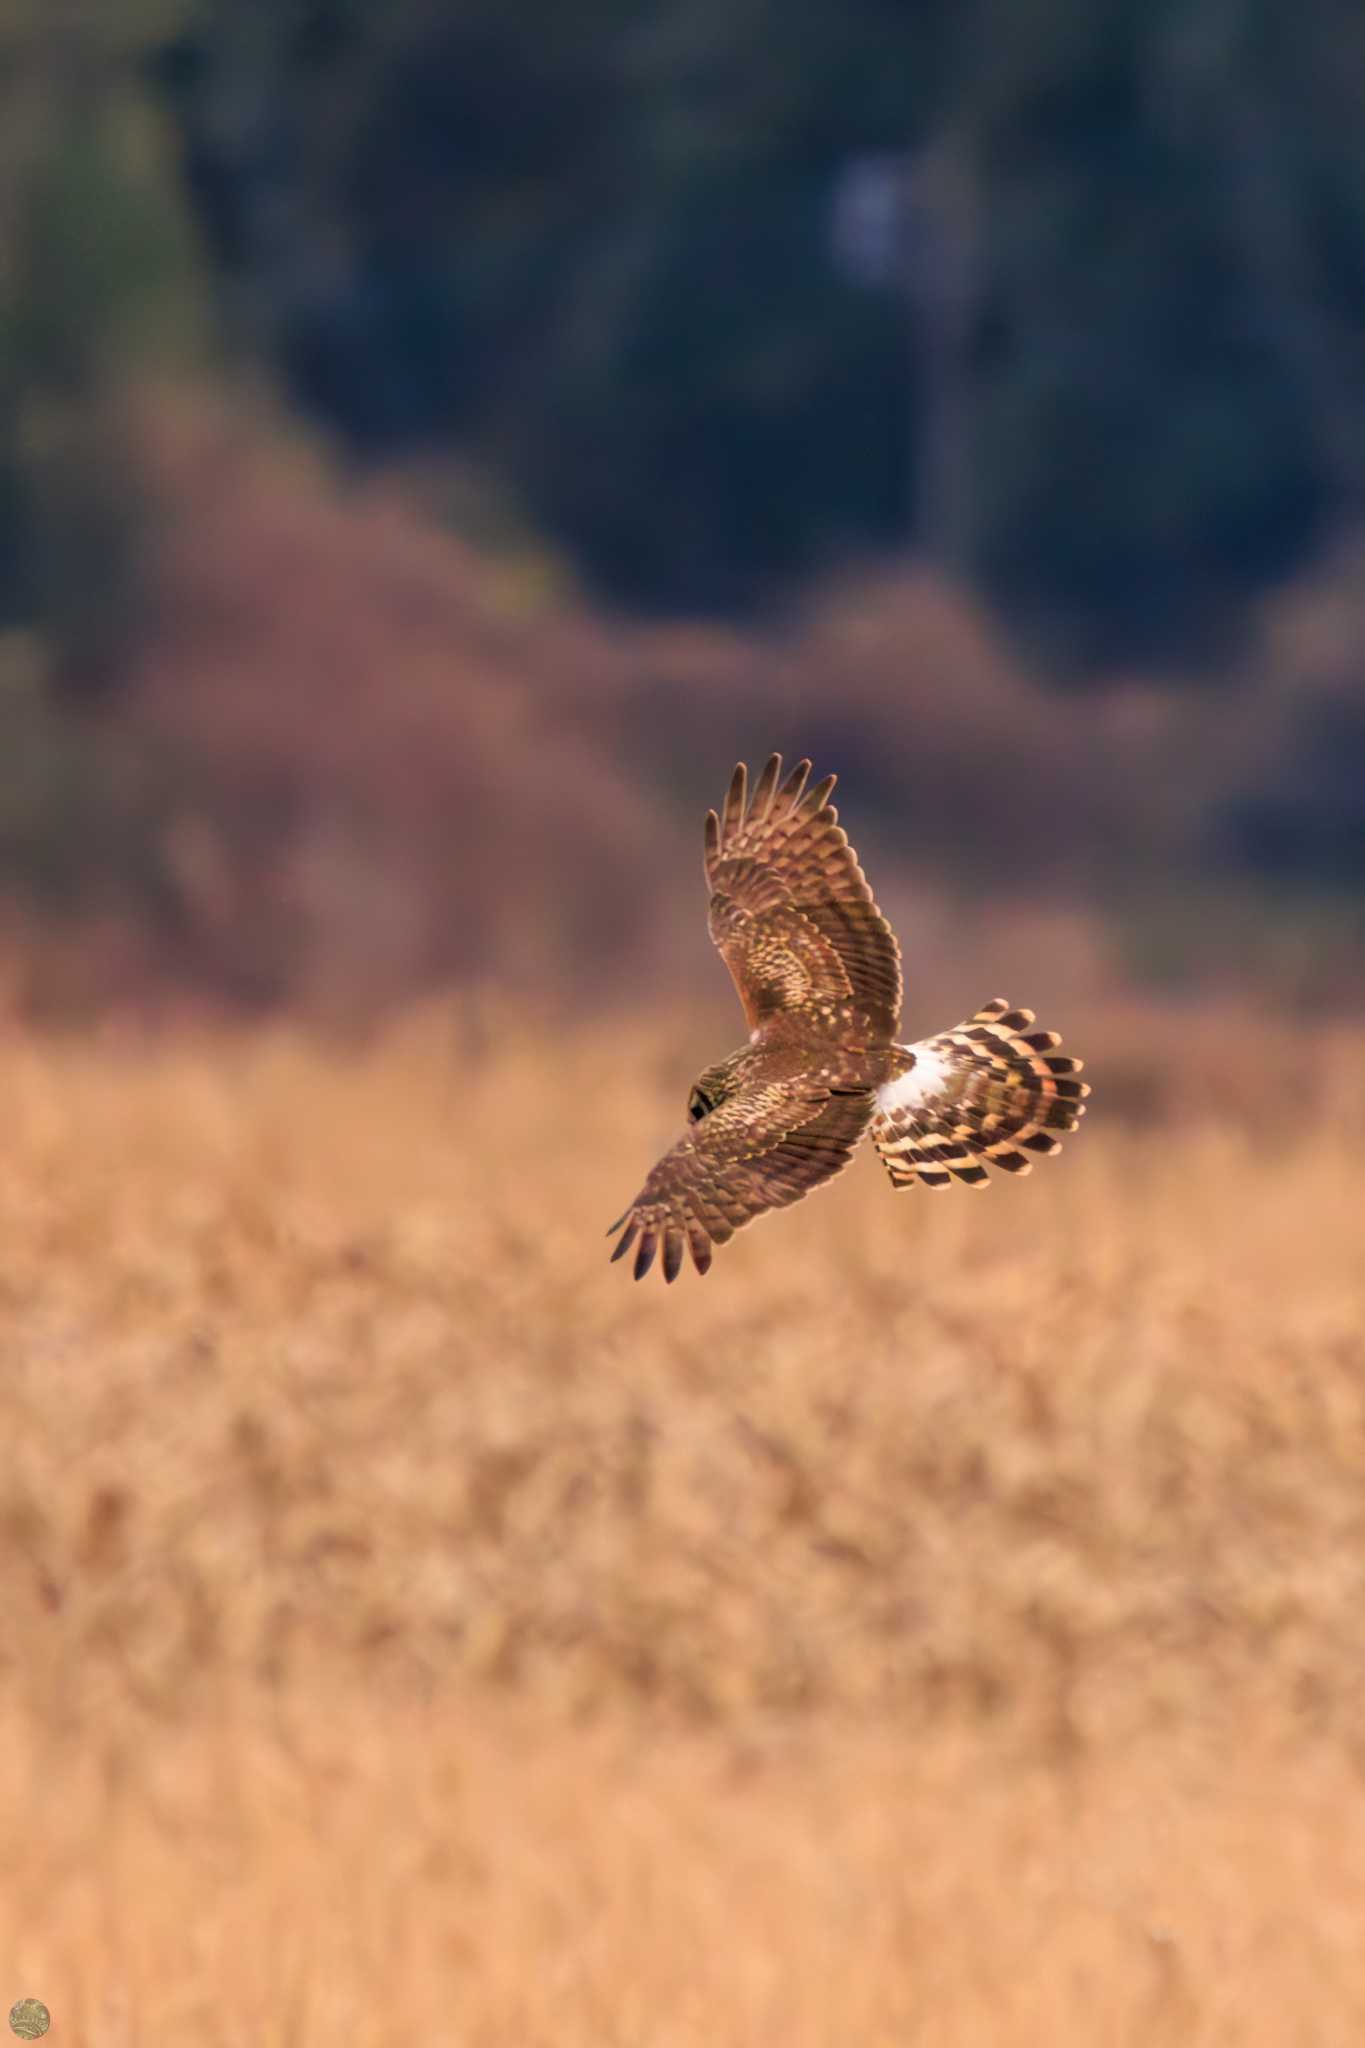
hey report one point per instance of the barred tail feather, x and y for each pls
(990, 1093)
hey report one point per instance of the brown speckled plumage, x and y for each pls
(817, 968)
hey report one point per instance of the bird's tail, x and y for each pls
(991, 1092)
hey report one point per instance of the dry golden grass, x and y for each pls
(943, 1624)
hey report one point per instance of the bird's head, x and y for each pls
(712, 1087)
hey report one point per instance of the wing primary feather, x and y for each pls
(818, 797)
(762, 800)
(632, 1232)
(734, 801)
(700, 1245)
(790, 792)
(644, 1257)
(673, 1254)
(712, 837)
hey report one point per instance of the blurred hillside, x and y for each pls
(434, 444)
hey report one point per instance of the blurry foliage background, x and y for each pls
(430, 433)
(437, 439)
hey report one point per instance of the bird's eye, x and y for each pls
(698, 1106)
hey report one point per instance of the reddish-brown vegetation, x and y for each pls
(354, 761)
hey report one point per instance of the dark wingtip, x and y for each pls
(632, 1231)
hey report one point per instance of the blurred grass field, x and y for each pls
(944, 1623)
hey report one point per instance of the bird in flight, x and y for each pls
(818, 972)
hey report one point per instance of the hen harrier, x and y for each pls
(818, 972)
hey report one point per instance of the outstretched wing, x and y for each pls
(764, 1147)
(793, 915)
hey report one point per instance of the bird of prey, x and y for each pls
(818, 972)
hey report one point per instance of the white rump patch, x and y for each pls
(924, 1082)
